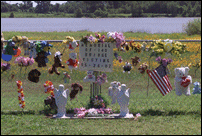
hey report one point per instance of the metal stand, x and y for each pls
(95, 89)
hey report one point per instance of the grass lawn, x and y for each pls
(161, 115)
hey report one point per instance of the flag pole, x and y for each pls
(148, 78)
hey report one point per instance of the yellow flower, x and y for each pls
(159, 50)
(168, 47)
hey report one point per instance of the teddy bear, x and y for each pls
(57, 63)
(127, 67)
(182, 81)
(41, 59)
(196, 88)
(101, 79)
(33, 75)
(113, 90)
(135, 60)
(143, 67)
(72, 62)
(90, 77)
(75, 89)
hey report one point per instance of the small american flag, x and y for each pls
(160, 79)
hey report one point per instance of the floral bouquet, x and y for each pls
(167, 46)
(92, 112)
(5, 66)
(98, 102)
(164, 61)
(136, 46)
(89, 38)
(115, 37)
(100, 38)
(24, 61)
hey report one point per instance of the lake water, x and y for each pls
(150, 25)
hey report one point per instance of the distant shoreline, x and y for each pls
(67, 15)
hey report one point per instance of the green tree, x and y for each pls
(136, 9)
(78, 13)
(11, 15)
(42, 6)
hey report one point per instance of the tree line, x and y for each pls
(104, 8)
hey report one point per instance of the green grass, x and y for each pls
(161, 115)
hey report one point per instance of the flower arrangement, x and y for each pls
(24, 61)
(5, 66)
(49, 88)
(98, 102)
(82, 112)
(20, 94)
(167, 46)
(19, 40)
(111, 37)
(100, 38)
(136, 46)
(89, 38)
(164, 61)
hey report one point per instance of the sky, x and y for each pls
(34, 4)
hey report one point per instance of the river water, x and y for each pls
(149, 25)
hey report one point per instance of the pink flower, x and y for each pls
(81, 115)
(108, 110)
(169, 60)
(31, 61)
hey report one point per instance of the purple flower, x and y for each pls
(158, 59)
(5, 66)
(169, 60)
(164, 62)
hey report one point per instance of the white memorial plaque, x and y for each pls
(96, 56)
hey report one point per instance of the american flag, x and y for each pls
(160, 79)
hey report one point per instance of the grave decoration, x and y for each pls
(20, 94)
(2, 43)
(22, 41)
(32, 50)
(49, 88)
(143, 67)
(67, 77)
(123, 97)
(42, 49)
(75, 89)
(57, 63)
(196, 89)
(127, 67)
(72, 62)
(71, 43)
(159, 76)
(33, 75)
(135, 60)
(113, 90)
(5, 67)
(61, 97)
(101, 79)
(24, 62)
(10, 48)
(90, 77)
(137, 47)
(166, 47)
(182, 81)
